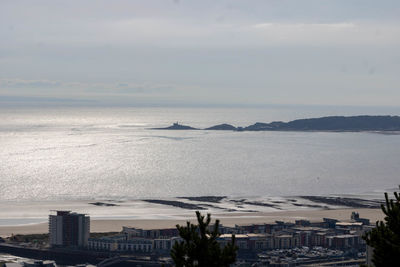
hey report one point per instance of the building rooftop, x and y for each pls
(342, 236)
(349, 224)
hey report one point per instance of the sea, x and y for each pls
(60, 154)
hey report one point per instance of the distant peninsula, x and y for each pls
(331, 123)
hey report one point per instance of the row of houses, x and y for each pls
(131, 240)
(261, 242)
(329, 233)
(142, 245)
(136, 240)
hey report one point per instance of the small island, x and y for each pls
(331, 123)
(176, 126)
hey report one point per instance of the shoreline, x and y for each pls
(110, 215)
(228, 219)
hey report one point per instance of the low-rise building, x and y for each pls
(135, 245)
(165, 244)
(102, 244)
(117, 243)
(343, 241)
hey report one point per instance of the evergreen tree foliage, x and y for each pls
(200, 247)
(385, 237)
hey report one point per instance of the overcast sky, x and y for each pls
(204, 52)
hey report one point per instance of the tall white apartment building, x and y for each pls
(69, 229)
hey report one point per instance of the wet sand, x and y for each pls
(228, 219)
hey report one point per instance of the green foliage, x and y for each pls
(105, 234)
(34, 238)
(385, 237)
(200, 247)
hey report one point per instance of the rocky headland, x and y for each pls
(386, 124)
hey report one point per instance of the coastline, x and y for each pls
(360, 123)
(228, 219)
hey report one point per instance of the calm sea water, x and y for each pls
(101, 153)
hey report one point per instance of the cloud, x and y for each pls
(143, 89)
(11, 99)
(339, 33)
(84, 88)
(306, 26)
(21, 83)
(186, 32)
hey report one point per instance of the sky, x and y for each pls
(208, 52)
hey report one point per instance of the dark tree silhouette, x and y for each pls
(200, 247)
(385, 237)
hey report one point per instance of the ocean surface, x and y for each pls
(53, 154)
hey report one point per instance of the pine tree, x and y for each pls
(200, 247)
(385, 237)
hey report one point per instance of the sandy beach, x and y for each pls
(227, 219)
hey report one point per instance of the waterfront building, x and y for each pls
(285, 241)
(259, 242)
(165, 244)
(131, 232)
(116, 243)
(303, 222)
(69, 229)
(355, 217)
(103, 244)
(343, 241)
(135, 245)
